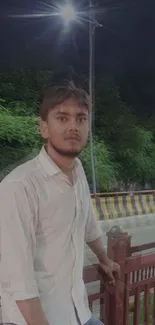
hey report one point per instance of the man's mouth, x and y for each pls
(74, 137)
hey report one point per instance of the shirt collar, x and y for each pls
(48, 164)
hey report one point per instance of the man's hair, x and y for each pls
(51, 97)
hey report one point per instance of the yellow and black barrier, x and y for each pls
(123, 204)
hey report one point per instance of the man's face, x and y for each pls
(67, 127)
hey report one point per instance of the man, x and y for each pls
(46, 216)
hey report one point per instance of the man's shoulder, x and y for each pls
(82, 173)
(23, 172)
(80, 167)
(79, 164)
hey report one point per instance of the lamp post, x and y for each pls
(91, 78)
(92, 26)
(69, 14)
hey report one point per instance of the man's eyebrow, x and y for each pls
(62, 113)
(81, 114)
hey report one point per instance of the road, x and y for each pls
(140, 235)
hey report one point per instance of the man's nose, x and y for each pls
(73, 126)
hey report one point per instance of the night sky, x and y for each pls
(126, 40)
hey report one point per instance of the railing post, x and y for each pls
(119, 244)
(118, 249)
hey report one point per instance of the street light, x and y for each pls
(68, 13)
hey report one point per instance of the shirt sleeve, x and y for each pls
(17, 238)
(92, 229)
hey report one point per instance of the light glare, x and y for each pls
(68, 13)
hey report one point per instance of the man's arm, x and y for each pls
(97, 246)
(94, 235)
(32, 311)
(17, 235)
(94, 239)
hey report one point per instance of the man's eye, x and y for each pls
(81, 120)
(62, 118)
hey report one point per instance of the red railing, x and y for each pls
(92, 274)
(132, 300)
(139, 278)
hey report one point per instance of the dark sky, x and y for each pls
(126, 40)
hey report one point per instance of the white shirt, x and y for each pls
(44, 223)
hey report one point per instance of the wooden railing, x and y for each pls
(132, 300)
(92, 274)
(139, 278)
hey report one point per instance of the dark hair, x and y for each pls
(51, 97)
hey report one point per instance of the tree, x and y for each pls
(19, 138)
(112, 116)
(22, 87)
(132, 145)
(137, 160)
(123, 145)
(137, 88)
(105, 168)
(18, 129)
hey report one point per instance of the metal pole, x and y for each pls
(91, 59)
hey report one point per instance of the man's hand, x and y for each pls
(112, 270)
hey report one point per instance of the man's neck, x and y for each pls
(66, 164)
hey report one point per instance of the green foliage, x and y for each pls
(21, 88)
(19, 136)
(113, 120)
(137, 156)
(11, 157)
(105, 168)
(21, 129)
(132, 144)
(141, 310)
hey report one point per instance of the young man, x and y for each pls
(46, 216)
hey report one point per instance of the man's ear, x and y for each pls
(44, 129)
